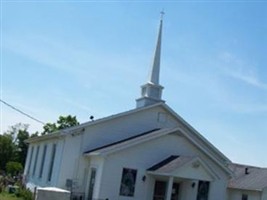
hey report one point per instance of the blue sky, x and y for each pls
(89, 58)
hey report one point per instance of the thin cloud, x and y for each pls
(242, 102)
(250, 108)
(249, 78)
(240, 70)
(83, 63)
(78, 105)
(48, 52)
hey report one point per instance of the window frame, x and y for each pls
(128, 176)
(30, 161)
(201, 193)
(43, 161)
(52, 161)
(244, 197)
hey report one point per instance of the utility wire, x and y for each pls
(21, 112)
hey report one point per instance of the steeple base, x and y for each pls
(146, 101)
(150, 94)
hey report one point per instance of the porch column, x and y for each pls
(169, 189)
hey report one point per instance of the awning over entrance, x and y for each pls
(186, 167)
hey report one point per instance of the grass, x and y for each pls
(6, 196)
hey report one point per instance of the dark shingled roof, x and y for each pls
(121, 141)
(171, 164)
(162, 163)
(254, 179)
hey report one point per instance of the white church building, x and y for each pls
(147, 153)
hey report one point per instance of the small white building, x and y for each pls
(148, 153)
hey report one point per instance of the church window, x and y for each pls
(30, 161)
(52, 162)
(35, 161)
(244, 197)
(144, 92)
(92, 183)
(203, 190)
(155, 93)
(128, 182)
(43, 162)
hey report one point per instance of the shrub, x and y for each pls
(25, 194)
(13, 168)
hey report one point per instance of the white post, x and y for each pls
(169, 189)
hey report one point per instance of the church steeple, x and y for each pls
(151, 92)
(155, 69)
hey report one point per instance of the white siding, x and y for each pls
(144, 156)
(70, 163)
(104, 133)
(29, 160)
(264, 194)
(124, 127)
(36, 179)
(236, 194)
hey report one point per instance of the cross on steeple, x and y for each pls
(151, 92)
(162, 13)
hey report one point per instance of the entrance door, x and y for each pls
(175, 191)
(160, 190)
(203, 190)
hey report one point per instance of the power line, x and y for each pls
(21, 112)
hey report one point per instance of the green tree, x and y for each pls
(7, 150)
(62, 122)
(22, 147)
(49, 128)
(66, 122)
(19, 133)
(12, 145)
(14, 168)
(36, 134)
(15, 129)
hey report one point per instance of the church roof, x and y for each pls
(170, 163)
(121, 141)
(148, 136)
(187, 130)
(128, 142)
(184, 167)
(248, 177)
(80, 127)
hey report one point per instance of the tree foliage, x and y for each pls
(12, 145)
(13, 149)
(14, 168)
(22, 147)
(49, 128)
(66, 122)
(62, 123)
(6, 150)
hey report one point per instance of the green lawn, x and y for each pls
(6, 196)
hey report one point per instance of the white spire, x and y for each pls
(155, 70)
(152, 90)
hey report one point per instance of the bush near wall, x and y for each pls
(19, 194)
